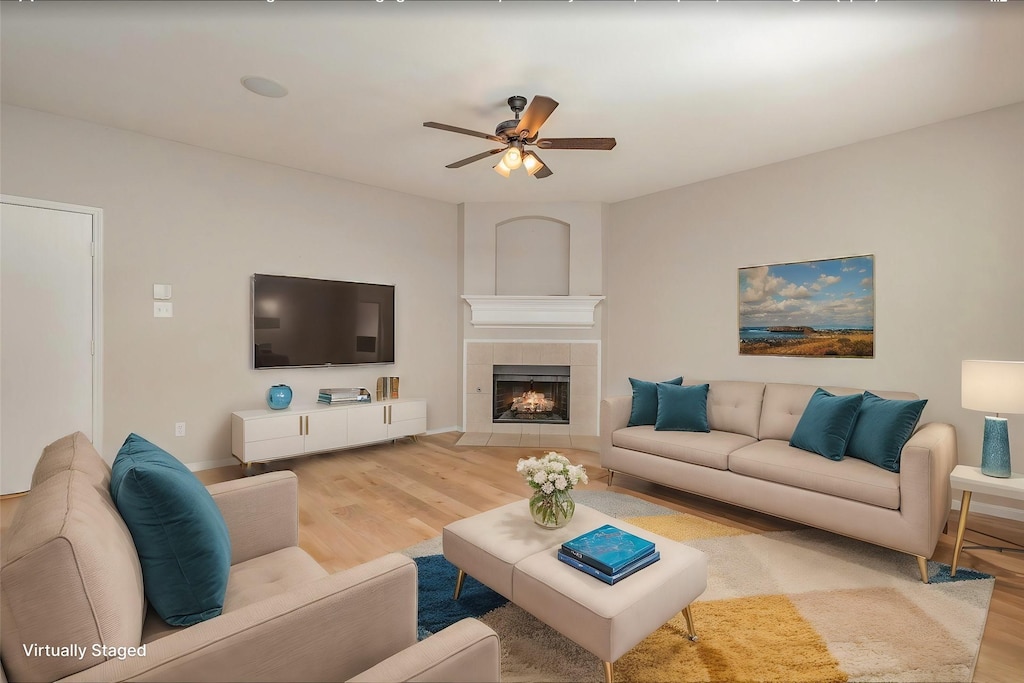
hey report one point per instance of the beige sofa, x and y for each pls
(746, 460)
(71, 577)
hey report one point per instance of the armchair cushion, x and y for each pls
(70, 575)
(179, 533)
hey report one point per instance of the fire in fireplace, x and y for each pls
(531, 393)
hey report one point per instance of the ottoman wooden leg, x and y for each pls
(458, 584)
(607, 672)
(689, 624)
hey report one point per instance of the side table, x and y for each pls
(971, 480)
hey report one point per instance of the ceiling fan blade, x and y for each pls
(464, 131)
(475, 157)
(544, 171)
(535, 115)
(576, 143)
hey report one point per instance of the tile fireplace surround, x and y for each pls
(583, 359)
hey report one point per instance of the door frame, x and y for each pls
(97, 299)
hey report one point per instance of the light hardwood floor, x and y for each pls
(359, 504)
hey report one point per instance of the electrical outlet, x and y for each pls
(179, 429)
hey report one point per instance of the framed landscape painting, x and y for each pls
(810, 309)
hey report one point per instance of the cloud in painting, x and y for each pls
(760, 284)
(792, 291)
(803, 294)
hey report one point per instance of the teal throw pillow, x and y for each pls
(645, 401)
(882, 429)
(682, 409)
(178, 530)
(825, 426)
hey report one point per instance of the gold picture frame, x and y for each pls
(808, 309)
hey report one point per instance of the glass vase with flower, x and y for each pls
(551, 477)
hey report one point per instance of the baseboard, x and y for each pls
(442, 430)
(994, 510)
(210, 464)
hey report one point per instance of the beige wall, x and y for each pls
(940, 207)
(205, 222)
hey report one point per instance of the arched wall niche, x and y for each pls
(531, 257)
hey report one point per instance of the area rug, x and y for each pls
(781, 606)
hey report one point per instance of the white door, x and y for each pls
(49, 384)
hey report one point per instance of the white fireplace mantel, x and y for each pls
(532, 311)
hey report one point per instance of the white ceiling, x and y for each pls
(691, 91)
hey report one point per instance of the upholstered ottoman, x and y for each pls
(506, 551)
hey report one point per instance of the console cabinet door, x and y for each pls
(407, 418)
(326, 430)
(268, 438)
(367, 424)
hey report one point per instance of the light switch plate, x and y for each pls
(163, 309)
(161, 291)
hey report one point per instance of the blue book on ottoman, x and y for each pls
(608, 549)
(611, 579)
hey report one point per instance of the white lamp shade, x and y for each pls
(993, 386)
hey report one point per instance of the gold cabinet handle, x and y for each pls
(301, 432)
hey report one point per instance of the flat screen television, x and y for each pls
(304, 322)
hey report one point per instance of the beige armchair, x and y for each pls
(71, 577)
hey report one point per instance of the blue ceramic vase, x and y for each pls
(279, 396)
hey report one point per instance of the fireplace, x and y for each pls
(537, 394)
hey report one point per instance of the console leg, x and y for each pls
(607, 672)
(458, 584)
(689, 624)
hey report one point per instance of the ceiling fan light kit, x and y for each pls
(516, 134)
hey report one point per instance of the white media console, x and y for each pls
(264, 435)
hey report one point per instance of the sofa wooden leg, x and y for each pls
(607, 672)
(611, 473)
(922, 564)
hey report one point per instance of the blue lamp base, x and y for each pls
(995, 450)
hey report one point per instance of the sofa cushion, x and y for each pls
(777, 461)
(734, 406)
(70, 575)
(645, 401)
(178, 529)
(73, 452)
(710, 449)
(826, 424)
(682, 409)
(882, 428)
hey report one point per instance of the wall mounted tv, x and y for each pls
(303, 322)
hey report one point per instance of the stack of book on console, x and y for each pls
(608, 553)
(343, 395)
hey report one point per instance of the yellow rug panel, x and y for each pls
(684, 527)
(761, 638)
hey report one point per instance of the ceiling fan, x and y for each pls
(518, 133)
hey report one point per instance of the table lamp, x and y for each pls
(994, 386)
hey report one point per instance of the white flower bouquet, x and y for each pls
(551, 476)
